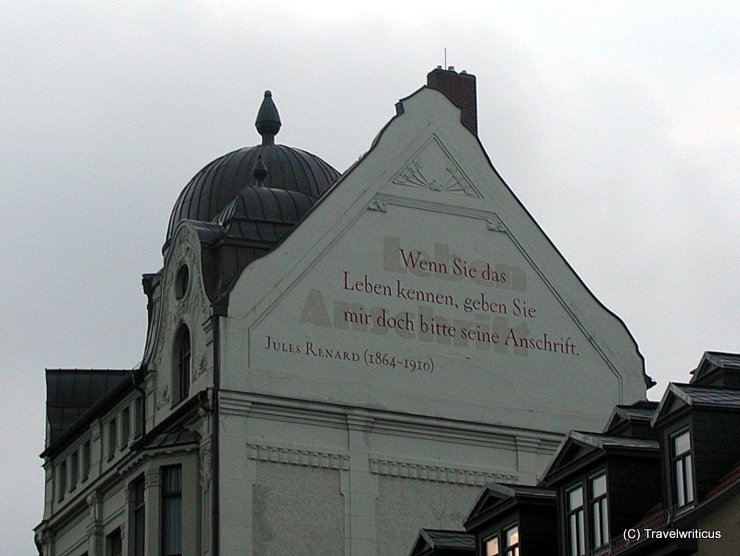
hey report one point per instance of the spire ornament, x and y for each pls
(268, 120)
(260, 170)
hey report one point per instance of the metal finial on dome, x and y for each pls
(260, 170)
(268, 120)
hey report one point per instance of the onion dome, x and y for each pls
(261, 216)
(281, 168)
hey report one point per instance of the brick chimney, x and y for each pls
(460, 89)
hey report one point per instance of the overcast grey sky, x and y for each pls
(617, 124)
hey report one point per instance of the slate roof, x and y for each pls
(580, 444)
(498, 495)
(439, 538)
(602, 441)
(219, 182)
(641, 412)
(263, 214)
(708, 397)
(713, 360)
(70, 393)
(442, 540)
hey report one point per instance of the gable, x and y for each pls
(571, 451)
(485, 502)
(420, 284)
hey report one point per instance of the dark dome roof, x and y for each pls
(219, 182)
(263, 214)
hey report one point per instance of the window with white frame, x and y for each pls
(599, 511)
(504, 543)
(511, 541)
(576, 522)
(682, 469)
(492, 548)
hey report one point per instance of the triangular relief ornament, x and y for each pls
(434, 168)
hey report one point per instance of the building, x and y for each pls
(334, 361)
(661, 479)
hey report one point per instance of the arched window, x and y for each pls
(181, 370)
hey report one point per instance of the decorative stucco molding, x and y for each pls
(229, 405)
(201, 367)
(494, 224)
(163, 397)
(378, 206)
(296, 456)
(425, 472)
(206, 469)
(193, 306)
(433, 168)
(152, 478)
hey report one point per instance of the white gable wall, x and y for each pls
(315, 375)
(345, 245)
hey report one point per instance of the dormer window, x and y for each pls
(505, 543)
(587, 515)
(599, 511)
(492, 547)
(682, 469)
(181, 370)
(511, 541)
(575, 521)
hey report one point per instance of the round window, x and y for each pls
(181, 281)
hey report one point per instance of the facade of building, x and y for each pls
(662, 479)
(333, 362)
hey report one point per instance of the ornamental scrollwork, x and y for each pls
(449, 179)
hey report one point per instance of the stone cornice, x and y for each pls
(298, 456)
(388, 423)
(436, 473)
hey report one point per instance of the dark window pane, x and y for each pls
(112, 435)
(172, 511)
(86, 460)
(114, 544)
(125, 427)
(138, 417)
(181, 371)
(139, 517)
(74, 470)
(62, 479)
